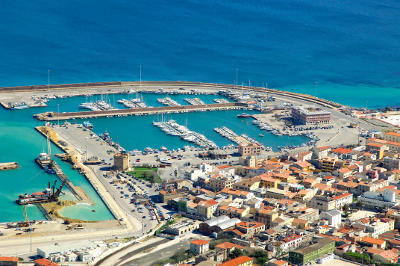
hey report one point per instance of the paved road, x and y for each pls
(157, 255)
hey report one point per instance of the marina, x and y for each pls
(137, 131)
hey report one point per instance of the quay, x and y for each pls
(77, 160)
(8, 166)
(54, 116)
(79, 194)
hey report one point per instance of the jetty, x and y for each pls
(54, 116)
(232, 136)
(8, 166)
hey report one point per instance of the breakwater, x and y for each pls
(146, 85)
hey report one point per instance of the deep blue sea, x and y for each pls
(347, 51)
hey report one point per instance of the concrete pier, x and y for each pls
(53, 116)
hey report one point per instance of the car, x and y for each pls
(144, 216)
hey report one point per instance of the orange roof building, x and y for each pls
(239, 261)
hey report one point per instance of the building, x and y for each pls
(291, 242)
(392, 136)
(247, 184)
(376, 148)
(239, 261)
(249, 229)
(311, 253)
(310, 115)
(387, 256)
(334, 217)
(228, 246)
(9, 261)
(372, 242)
(199, 246)
(250, 149)
(391, 163)
(275, 262)
(386, 199)
(219, 183)
(218, 224)
(233, 212)
(45, 262)
(269, 182)
(266, 217)
(325, 203)
(328, 164)
(207, 208)
(121, 162)
(182, 228)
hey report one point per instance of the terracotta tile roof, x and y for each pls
(291, 238)
(228, 245)
(375, 144)
(4, 259)
(393, 134)
(341, 150)
(324, 148)
(235, 262)
(371, 240)
(389, 255)
(199, 242)
(342, 196)
(280, 262)
(46, 262)
(224, 166)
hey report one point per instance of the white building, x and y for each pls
(334, 217)
(386, 199)
(203, 171)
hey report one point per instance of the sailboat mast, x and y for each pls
(48, 146)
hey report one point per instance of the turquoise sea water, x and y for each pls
(21, 143)
(351, 50)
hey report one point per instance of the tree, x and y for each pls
(236, 253)
(346, 207)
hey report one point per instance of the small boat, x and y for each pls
(20, 106)
(260, 135)
(243, 115)
(88, 125)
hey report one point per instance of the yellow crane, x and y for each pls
(25, 213)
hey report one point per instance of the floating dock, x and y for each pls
(54, 116)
